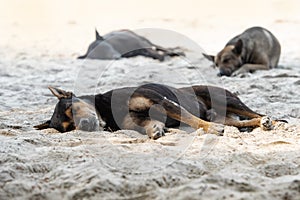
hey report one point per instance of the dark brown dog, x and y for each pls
(125, 44)
(254, 49)
(151, 108)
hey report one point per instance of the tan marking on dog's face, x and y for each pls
(82, 109)
(227, 61)
(139, 103)
(224, 51)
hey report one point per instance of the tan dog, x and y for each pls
(255, 49)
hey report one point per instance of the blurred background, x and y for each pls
(67, 27)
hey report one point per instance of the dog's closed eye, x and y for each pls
(226, 60)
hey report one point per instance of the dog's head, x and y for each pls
(229, 59)
(72, 113)
(101, 49)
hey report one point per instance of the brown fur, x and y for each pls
(254, 49)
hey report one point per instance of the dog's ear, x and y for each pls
(209, 57)
(238, 47)
(60, 94)
(43, 125)
(98, 36)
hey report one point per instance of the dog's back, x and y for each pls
(125, 41)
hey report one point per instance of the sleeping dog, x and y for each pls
(255, 49)
(125, 44)
(152, 108)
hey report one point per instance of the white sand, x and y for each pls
(38, 46)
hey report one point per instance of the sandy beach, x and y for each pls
(39, 43)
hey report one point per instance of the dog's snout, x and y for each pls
(88, 124)
(84, 124)
(224, 72)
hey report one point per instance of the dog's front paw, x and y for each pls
(266, 123)
(240, 73)
(211, 115)
(156, 130)
(214, 128)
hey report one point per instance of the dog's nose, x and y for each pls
(223, 72)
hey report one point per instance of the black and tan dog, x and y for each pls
(152, 108)
(254, 49)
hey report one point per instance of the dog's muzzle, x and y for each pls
(89, 124)
(224, 72)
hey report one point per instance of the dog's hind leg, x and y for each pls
(255, 122)
(154, 54)
(175, 111)
(147, 52)
(176, 51)
(222, 101)
(264, 122)
(252, 119)
(227, 104)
